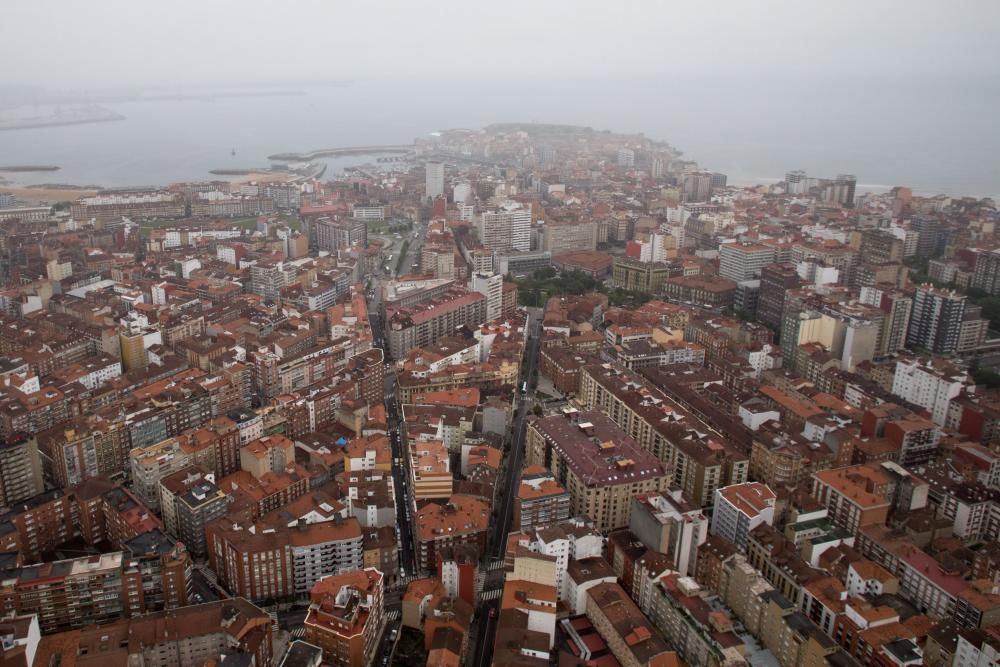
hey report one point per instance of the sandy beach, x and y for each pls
(52, 195)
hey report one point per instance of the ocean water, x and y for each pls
(932, 135)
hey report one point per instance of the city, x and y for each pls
(533, 334)
(524, 395)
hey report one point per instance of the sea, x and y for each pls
(934, 135)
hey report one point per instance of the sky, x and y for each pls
(74, 44)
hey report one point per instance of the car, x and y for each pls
(493, 612)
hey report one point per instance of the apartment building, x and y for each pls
(670, 524)
(739, 508)
(86, 448)
(547, 554)
(541, 500)
(628, 633)
(600, 466)
(702, 635)
(422, 325)
(272, 560)
(334, 235)
(20, 469)
(571, 236)
(638, 276)
(462, 520)
(744, 261)
(189, 501)
(931, 384)
(854, 496)
(195, 635)
(701, 460)
(346, 616)
(132, 205)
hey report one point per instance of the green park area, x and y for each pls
(544, 284)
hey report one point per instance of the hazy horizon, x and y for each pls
(897, 93)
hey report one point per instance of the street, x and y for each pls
(513, 463)
(485, 626)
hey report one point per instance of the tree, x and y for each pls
(537, 410)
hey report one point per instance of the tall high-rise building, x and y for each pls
(936, 321)
(931, 237)
(718, 180)
(697, 186)
(797, 182)
(20, 469)
(897, 306)
(508, 228)
(986, 274)
(739, 261)
(433, 180)
(775, 280)
(462, 193)
(840, 190)
(491, 287)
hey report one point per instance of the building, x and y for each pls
(422, 325)
(21, 634)
(462, 521)
(433, 180)
(274, 560)
(346, 616)
(571, 236)
(854, 496)
(594, 264)
(541, 500)
(744, 261)
(334, 235)
(132, 205)
(600, 466)
(638, 276)
(931, 384)
(897, 307)
(669, 524)
(268, 277)
(231, 631)
(102, 588)
(628, 633)
(507, 229)
(775, 280)
(712, 292)
(696, 186)
(189, 501)
(936, 320)
(491, 287)
(739, 508)
(700, 458)
(20, 469)
(986, 271)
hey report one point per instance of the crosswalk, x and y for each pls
(490, 595)
(298, 633)
(392, 615)
(494, 566)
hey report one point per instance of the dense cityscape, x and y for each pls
(525, 395)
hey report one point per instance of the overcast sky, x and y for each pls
(76, 43)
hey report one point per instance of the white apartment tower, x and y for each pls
(490, 286)
(508, 228)
(740, 261)
(434, 180)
